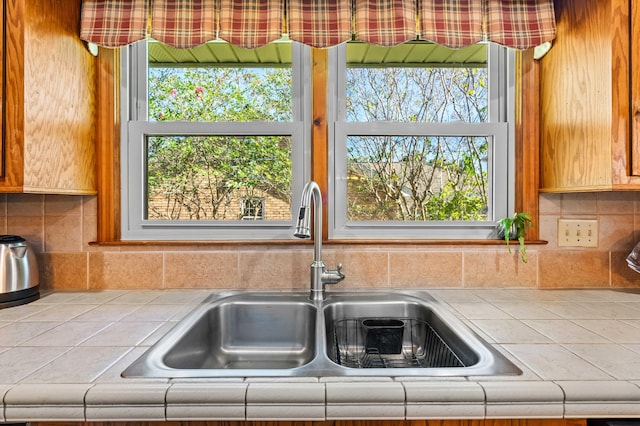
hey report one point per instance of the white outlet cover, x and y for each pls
(577, 233)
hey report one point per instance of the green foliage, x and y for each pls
(199, 177)
(515, 227)
(417, 178)
(220, 94)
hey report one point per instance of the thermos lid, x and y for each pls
(11, 239)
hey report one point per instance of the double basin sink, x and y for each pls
(261, 334)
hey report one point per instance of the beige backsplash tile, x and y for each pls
(363, 269)
(616, 232)
(550, 204)
(489, 268)
(57, 205)
(616, 202)
(201, 270)
(25, 205)
(60, 228)
(89, 232)
(573, 268)
(621, 274)
(3, 205)
(64, 271)
(277, 269)
(62, 233)
(90, 205)
(418, 269)
(548, 230)
(126, 270)
(30, 228)
(3, 224)
(583, 204)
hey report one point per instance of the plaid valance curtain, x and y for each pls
(520, 24)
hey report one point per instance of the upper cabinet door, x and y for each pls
(586, 96)
(49, 100)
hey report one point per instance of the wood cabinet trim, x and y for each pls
(527, 134)
(14, 96)
(634, 49)
(108, 145)
(623, 163)
(320, 131)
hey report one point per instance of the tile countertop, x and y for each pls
(61, 359)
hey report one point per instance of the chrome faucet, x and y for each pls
(320, 275)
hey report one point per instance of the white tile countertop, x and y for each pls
(61, 359)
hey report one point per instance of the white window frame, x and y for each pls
(501, 68)
(133, 157)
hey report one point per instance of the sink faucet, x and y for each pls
(320, 275)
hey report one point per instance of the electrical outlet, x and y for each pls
(577, 232)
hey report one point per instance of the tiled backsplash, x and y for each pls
(61, 227)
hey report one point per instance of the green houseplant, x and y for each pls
(515, 228)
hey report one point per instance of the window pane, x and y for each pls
(417, 178)
(220, 94)
(417, 83)
(212, 177)
(220, 82)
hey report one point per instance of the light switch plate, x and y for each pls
(577, 233)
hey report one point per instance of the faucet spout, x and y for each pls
(320, 275)
(311, 192)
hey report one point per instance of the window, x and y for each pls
(217, 144)
(215, 137)
(421, 145)
(252, 208)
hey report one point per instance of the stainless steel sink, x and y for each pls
(236, 334)
(405, 334)
(257, 332)
(243, 334)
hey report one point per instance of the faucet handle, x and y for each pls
(333, 276)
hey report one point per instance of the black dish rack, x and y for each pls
(391, 343)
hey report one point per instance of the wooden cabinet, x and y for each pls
(2, 83)
(587, 95)
(49, 100)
